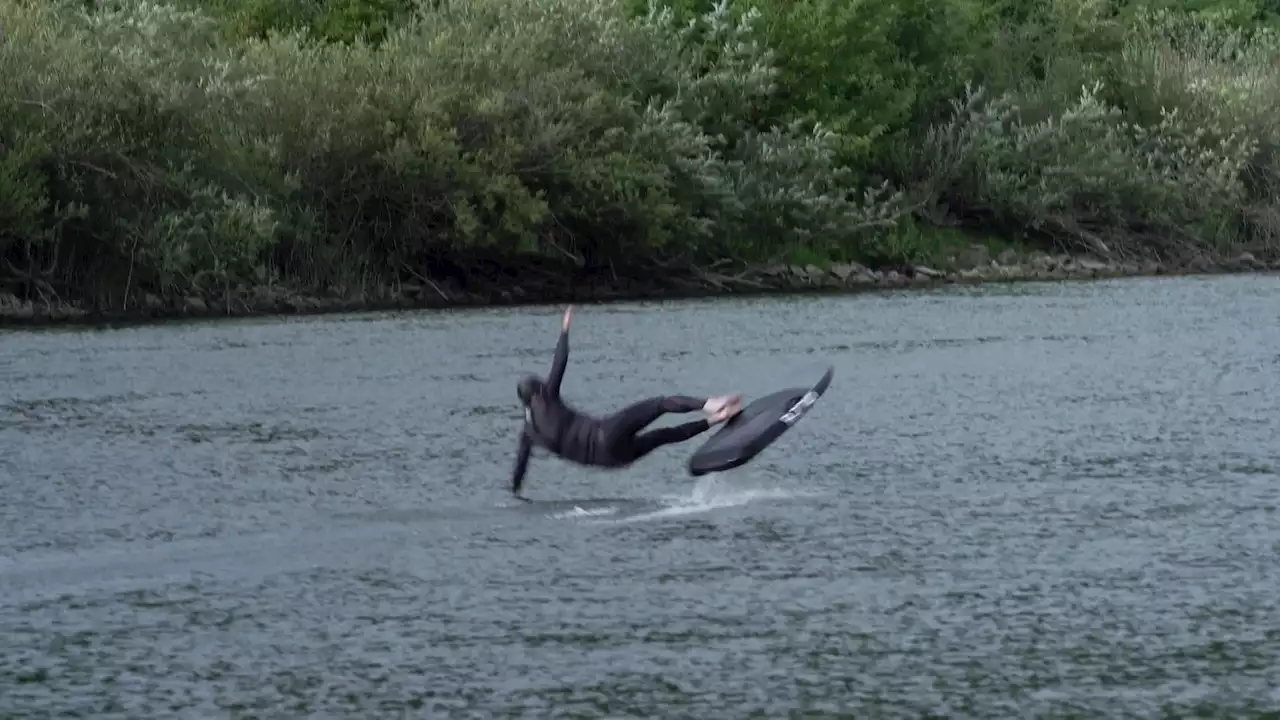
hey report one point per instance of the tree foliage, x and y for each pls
(153, 147)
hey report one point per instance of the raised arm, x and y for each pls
(562, 355)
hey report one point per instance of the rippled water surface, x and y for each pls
(1037, 500)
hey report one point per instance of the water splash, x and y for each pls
(708, 494)
(577, 511)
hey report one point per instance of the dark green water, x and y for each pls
(1043, 500)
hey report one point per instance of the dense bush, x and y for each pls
(149, 152)
(1162, 146)
(152, 147)
(325, 20)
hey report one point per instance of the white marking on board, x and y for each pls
(800, 408)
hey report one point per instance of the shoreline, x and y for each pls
(771, 280)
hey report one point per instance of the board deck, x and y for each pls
(756, 427)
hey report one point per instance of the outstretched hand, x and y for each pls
(568, 317)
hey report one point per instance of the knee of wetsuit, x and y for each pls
(528, 386)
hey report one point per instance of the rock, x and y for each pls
(196, 305)
(862, 277)
(1152, 267)
(971, 274)
(1088, 263)
(1200, 264)
(810, 274)
(1040, 261)
(1247, 260)
(807, 274)
(1008, 257)
(973, 257)
(9, 301)
(926, 272)
(843, 271)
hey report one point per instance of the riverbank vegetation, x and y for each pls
(165, 149)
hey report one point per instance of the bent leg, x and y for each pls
(646, 443)
(632, 419)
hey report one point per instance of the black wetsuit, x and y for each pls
(612, 441)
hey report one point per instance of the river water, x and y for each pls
(1031, 500)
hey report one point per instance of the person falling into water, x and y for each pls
(613, 441)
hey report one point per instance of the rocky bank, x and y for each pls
(974, 265)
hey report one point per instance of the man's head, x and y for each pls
(528, 387)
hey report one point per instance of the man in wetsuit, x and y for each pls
(613, 441)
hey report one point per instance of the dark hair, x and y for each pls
(528, 386)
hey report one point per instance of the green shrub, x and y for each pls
(325, 20)
(493, 128)
(1165, 171)
(111, 121)
(864, 70)
(148, 148)
(506, 127)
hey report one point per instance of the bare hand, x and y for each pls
(568, 317)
